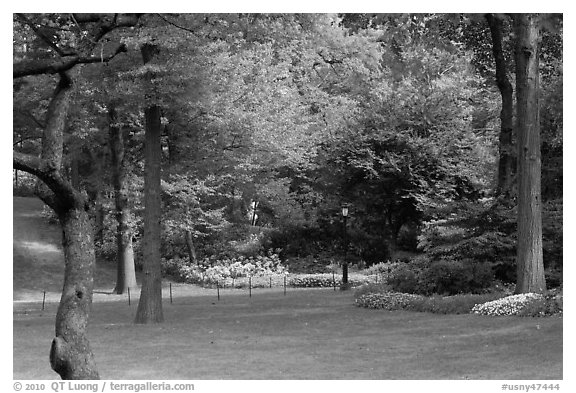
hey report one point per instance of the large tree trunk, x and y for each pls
(150, 304)
(506, 164)
(70, 354)
(126, 274)
(529, 254)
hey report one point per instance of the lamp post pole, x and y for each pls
(345, 263)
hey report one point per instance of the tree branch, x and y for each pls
(177, 26)
(51, 176)
(54, 66)
(43, 36)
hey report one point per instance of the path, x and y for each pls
(38, 261)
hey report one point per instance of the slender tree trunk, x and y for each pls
(191, 248)
(70, 354)
(99, 216)
(126, 274)
(530, 273)
(506, 163)
(150, 304)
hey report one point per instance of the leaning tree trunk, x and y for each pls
(530, 269)
(150, 304)
(70, 354)
(506, 165)
(126, 274)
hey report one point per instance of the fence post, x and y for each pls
(43, 300)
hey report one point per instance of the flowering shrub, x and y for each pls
(510, 305)
(211, 271)
(388, 300)
(324, 280)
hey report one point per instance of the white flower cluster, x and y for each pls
(510, 305)
(387, 300)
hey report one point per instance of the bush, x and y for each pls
(212, 271)
(388, 300)
(448, 277)
(457, 304)
(524, 304)
(371, 288)
(327, 280)
(444, 277)
(404, 277)
(380, 296)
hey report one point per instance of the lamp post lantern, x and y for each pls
(345, 263)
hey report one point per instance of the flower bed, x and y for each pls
(212, 272)
(510, 305)
(326, 280)
(387, 300)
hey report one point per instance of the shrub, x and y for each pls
(211, 271)
(527, 304)
(380, 268)
(404, 277)
(384, 298)
(371, 288)
(326, 280)
(457, 304)
(388, 300)
(450, 277)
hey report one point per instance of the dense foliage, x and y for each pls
(272, 122)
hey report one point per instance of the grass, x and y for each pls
(307, 334)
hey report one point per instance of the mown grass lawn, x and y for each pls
(307, 334)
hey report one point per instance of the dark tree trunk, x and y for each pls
(506, 163)
(70, 354)
(126, 274)
(150, 304)
(191, 248)
(530, 273)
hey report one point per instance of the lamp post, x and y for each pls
(345, 263)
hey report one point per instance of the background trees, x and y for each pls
(407, 118)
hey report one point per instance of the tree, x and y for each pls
(150, 304)
(126, 275)
(70, 354)
(505, 145)
(530, 270)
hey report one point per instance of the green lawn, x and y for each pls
(307, 334)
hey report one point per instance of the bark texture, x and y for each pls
(530, 273)
(70, 353)
(150, 303)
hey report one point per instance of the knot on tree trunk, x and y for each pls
(70, 362)
(59, 357)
